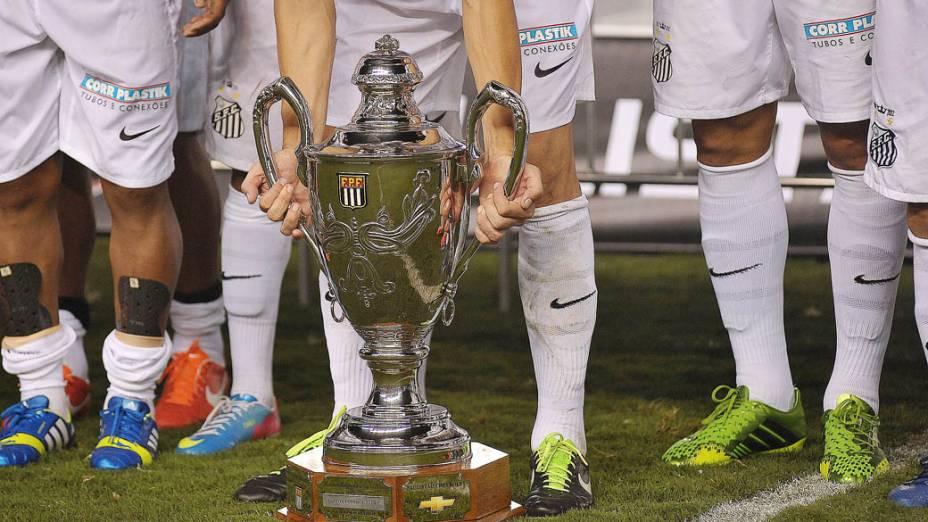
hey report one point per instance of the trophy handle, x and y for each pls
(493, 92)
(284, 89)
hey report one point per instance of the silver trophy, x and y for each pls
(390, 194)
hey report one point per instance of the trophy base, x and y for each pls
(476, 490)
(514, 510)
(369, 442)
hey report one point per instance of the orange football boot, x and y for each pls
(193, 384)
(78, 391)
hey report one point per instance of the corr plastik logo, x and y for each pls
(548, 34)
(123, 94)
(837, 28)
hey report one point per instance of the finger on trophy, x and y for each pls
(254, 184)
(291, 223)
(485, 228)
(267, 198)
(281, 203)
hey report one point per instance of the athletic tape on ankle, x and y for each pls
(143, 305)
(21, 313)
(38, 362)
(133, 371)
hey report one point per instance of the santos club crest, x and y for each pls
(352, 189)
(227, 118)
(883, 150)
(661, 67)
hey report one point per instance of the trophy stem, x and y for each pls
(396, 428)
(396, 388)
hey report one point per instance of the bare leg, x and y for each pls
(78, 232)
(145, 242)
(196, 201)
(29, 230)
(30, 263)
(78, 227)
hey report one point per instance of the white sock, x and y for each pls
(920, 271)
(558, 290)
(133, 371)
(38, 364)
(744, 238)
(200, 322)
(866, 239)
(75, 357)
(351, 378)
(254, 257)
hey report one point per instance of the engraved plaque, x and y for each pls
(355, 499)
(436, 497)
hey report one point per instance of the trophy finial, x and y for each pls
(387, 43)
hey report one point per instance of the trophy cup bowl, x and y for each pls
(389, 198)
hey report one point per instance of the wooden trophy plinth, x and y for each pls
(474, 491)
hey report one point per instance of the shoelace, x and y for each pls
(14, 416)
(851, 417)
(226, 411)
(180, 379)
(717, 425)
(127, 424)
(555, 462)
(314, 440)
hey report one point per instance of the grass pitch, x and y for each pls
(658, 351)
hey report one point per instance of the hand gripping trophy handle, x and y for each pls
(493, 92)
(284, 89)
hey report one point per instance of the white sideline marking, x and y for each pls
(802, 490)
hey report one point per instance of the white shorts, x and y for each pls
(94, 79)
(898, 142)
(191, 94)
(243, 60)
(721, 58)
(557, 59)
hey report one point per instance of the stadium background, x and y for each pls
(659, 348)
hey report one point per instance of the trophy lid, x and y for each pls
(388, 122)
(386, 66)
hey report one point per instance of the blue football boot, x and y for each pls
(233, 421)
(128, 436)
(913, 493)
(28, 430)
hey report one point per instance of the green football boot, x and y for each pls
(852, 449)
(738, 428)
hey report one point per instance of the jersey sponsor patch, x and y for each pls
(227, 118)
(842, 27)
(883, 149)
(661, 66)
(352, 189)
(113, 96)
(123, 94)
(553, 38)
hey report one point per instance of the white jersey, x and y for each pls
(898, 142)
(96, 80)
(721, 58)
(430, 30)
(554, 39)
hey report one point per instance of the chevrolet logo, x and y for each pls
(436, 504)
